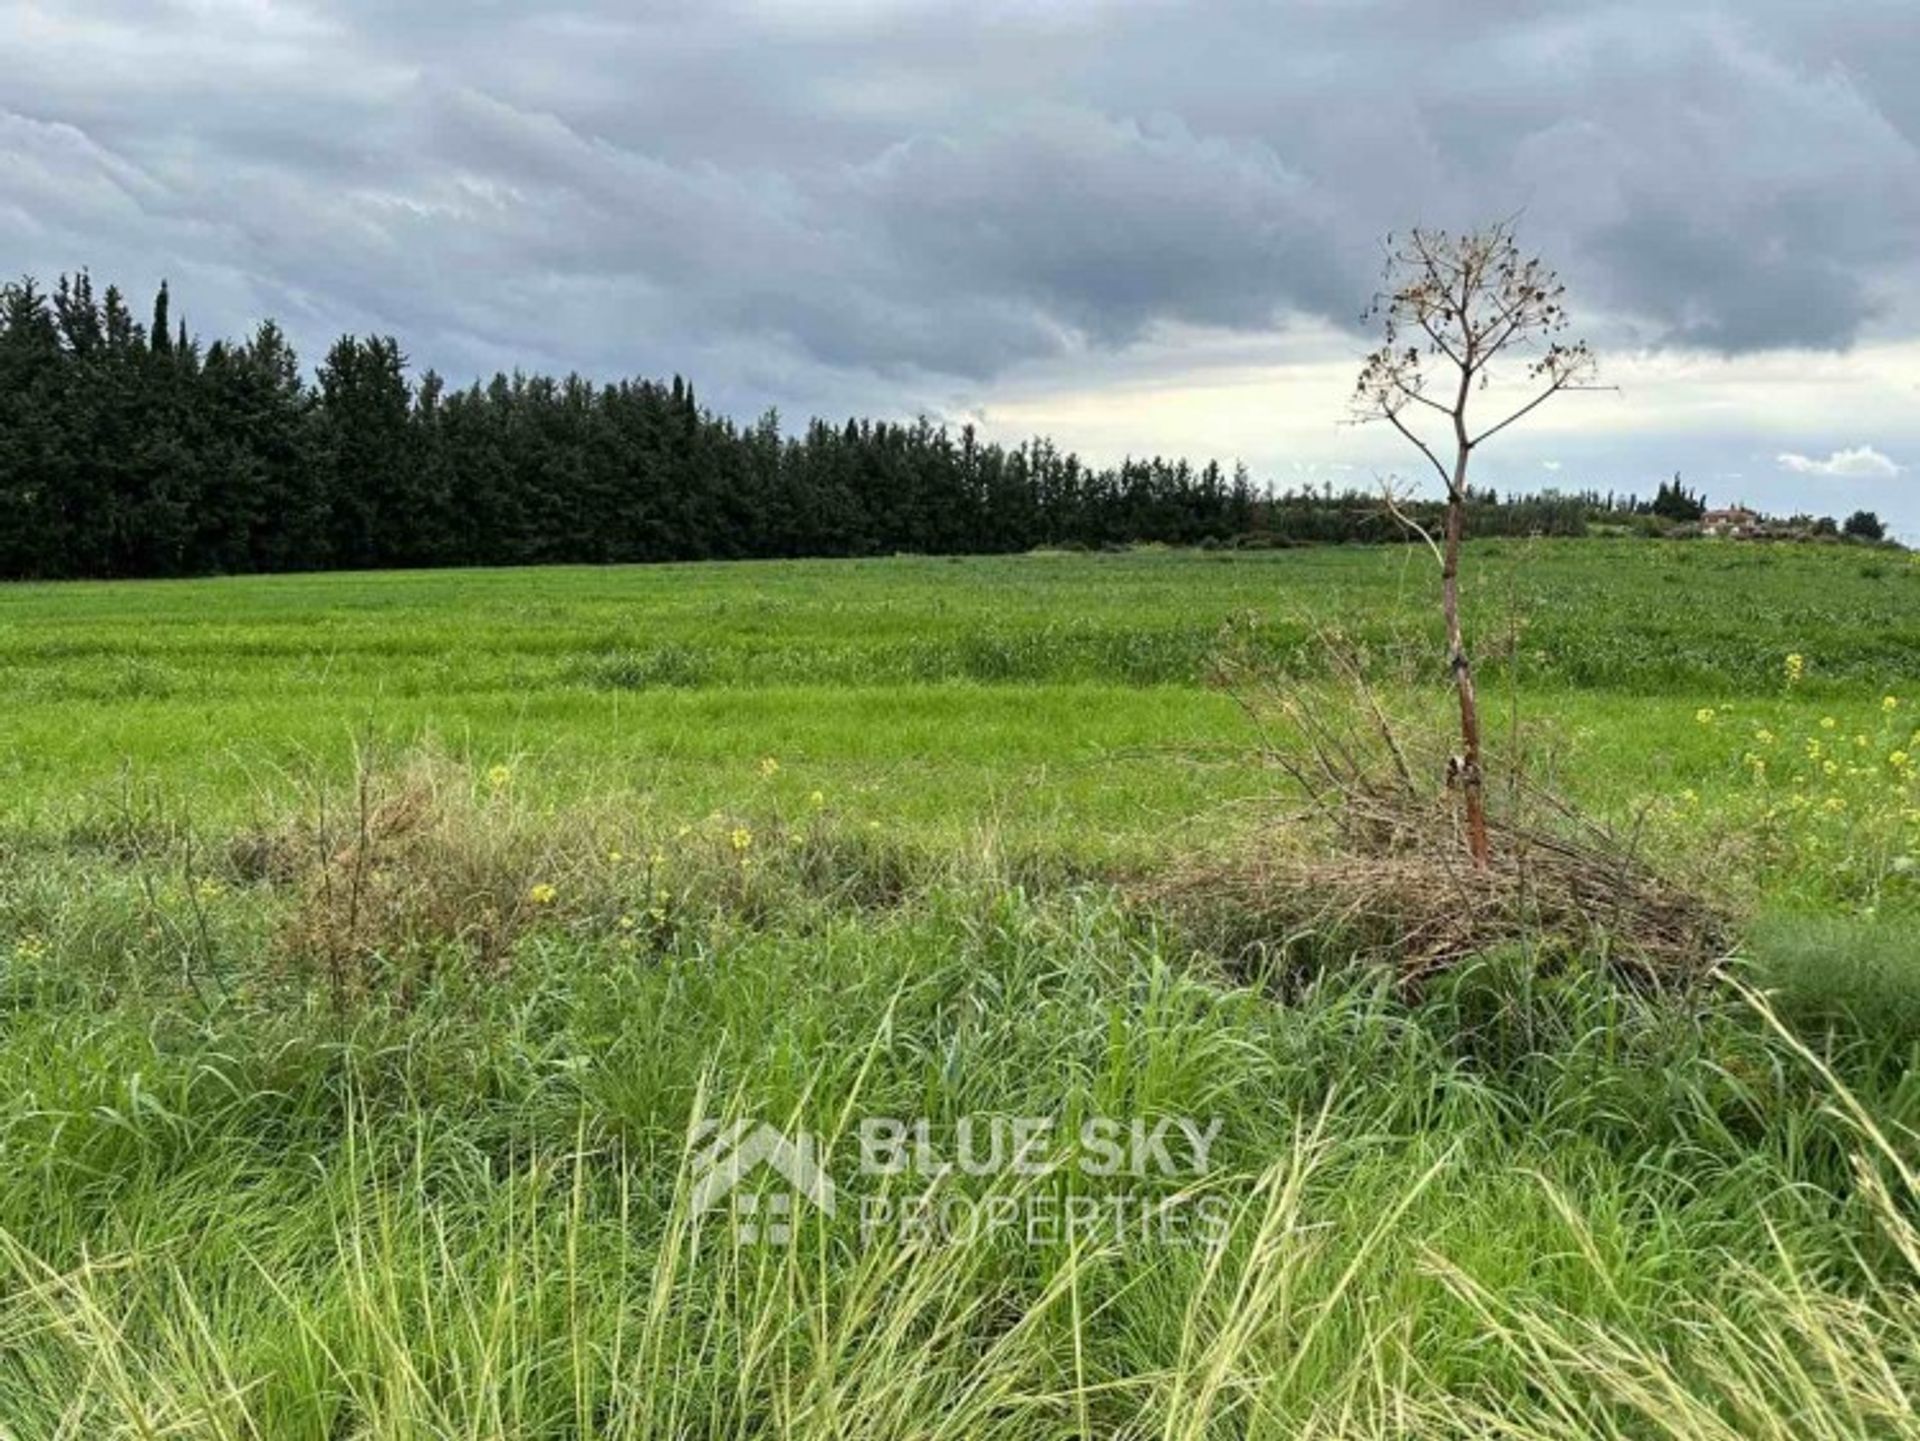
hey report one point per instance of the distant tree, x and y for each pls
(365, 408)
(81, 327)
(1674, 501)
(36, 527)
(1865, 525)
(159, 333)
(1453, 306)
(264, 415)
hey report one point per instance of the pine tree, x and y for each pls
(158, 332)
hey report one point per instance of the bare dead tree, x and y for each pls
(1452, 306)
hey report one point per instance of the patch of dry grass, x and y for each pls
(415, 862)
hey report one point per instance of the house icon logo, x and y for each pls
(727, 1154)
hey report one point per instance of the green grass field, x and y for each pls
(371, 944)
(1047, 693)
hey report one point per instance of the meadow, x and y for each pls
(1046, 693)
(371, 946)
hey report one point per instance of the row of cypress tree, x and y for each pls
(128, 449)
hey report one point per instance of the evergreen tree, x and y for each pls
(128, 451)
(1674, 501)
(159, 330)
(1864, 525)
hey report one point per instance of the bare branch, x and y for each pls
(1440, 342)
(1414, 393)
(1425, 449)
(1392, 503)
(1532, 405)
(1474, 298)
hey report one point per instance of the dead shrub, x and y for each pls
(1374, 865)
(416, 864)
(410, 862)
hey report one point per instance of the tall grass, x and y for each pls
(363, 1110)
(455, 1201)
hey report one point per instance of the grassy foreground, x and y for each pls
(347, 1104)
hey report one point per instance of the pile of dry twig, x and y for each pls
(1370, 862)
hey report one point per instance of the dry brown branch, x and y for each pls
(1384, 877)
(1455, 304)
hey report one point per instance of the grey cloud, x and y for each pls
(1731, 285)
(1110, 226)
(1759, 203)
(798, 197)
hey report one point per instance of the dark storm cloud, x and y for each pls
(775, 196)
(1109, 226)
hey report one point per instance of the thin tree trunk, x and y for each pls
(1471, 782)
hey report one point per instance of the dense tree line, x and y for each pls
(1674, 501)
(128, 449)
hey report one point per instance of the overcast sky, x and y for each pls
(1138, 227)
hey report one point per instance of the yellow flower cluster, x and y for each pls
(1843, 803)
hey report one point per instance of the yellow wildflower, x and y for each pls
(1796, 668)
(1764, 736)
(816, 800)
(1704, 715)
(542, 894)
(1889, 703)
(498, 776)
(1827, 722)
(740, 838)
(769, 767)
